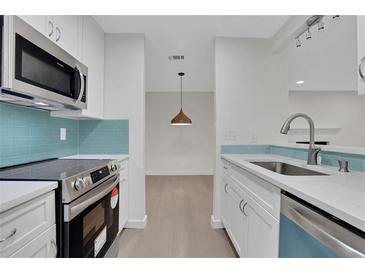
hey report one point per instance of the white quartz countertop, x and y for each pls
(340, 194)
(99, 156)
(14, 193)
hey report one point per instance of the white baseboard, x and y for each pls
(137, 223)
(179, 173)
(216, 223)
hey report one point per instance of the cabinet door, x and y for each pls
(361, 53)
(44, 246)
(237, 199)
(68, 33)
(22, 224)
(261, 231)
(39, 22)
(224, 201)
(123, 196)
(93, 58)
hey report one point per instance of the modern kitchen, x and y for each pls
(182, 136)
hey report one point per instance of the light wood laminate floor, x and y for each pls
(178, 209)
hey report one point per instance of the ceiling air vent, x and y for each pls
(176, 57)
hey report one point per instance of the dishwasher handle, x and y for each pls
(341, 248)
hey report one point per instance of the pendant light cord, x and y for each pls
(180, 92)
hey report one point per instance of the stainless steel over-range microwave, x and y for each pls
(36, 72)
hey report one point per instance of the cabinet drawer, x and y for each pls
(263, 192)
(26, 222)
(44, 246)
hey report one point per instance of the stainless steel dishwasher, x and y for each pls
(308, 232)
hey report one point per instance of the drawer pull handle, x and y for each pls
(243, 209)
(58, 34)
(361, 69)
(51, 28)
(225, 188)
(240, 205)
(8, 237)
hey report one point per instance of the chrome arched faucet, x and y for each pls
(313, 150)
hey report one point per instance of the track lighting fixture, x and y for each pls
(335, 18)
(308, 35)
(311, 22)
(298, 43)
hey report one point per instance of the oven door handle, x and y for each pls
(76, 207)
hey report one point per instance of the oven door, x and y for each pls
(91, 221)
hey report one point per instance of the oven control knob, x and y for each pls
(79, 184)
(113, 167)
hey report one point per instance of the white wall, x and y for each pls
(251, 91)
(344, 112)
(125, 99)
(251, 97)
(180, 150)
(327, 61)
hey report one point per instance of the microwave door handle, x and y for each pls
(82, 89)
(74, 209)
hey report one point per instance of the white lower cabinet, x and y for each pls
(262, 237)
(44, 246)
(236, 221)
(123, 195)
(26, 225)
(253, 230)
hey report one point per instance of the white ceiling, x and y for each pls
(192, 36)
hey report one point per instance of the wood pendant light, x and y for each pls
(181, 119)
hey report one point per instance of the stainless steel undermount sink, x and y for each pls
(287, 169)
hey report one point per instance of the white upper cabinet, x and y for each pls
(92, 55)
(361, 54)
(93, 58)
(83, 38)
(39, 22)
(66, 31)
(327, 61)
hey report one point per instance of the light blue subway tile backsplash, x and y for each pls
(31, 135)
(104, 137)
(356, 161)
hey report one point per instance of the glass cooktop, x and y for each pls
(51, 170)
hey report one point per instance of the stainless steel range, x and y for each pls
(87, 208)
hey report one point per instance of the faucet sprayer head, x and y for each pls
(285, 128)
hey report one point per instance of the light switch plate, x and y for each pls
(63, 136)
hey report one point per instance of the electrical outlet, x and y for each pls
(230, 135)
(254, 137)
(63, 136)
